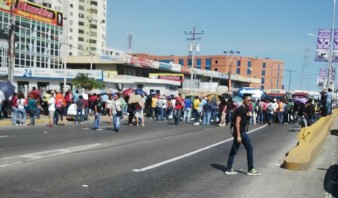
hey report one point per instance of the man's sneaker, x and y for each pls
(196, 123)
(230, 172)
(99, 129)
(253, 172)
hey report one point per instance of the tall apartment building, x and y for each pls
(84, 24)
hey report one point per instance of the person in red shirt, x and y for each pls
(178, 110)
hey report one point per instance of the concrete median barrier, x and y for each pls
(310, 141)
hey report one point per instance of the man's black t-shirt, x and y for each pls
(98, 105)
(241, 112)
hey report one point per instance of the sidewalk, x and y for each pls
(44, 120)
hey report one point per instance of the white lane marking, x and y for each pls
(4, 136)
(10, 161)
(189, 154)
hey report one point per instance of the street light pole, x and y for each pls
(11, 50)
(64, 55)
(231, 52)
(331, 47)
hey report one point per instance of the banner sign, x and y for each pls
(167, 76)
(141, 62)
(323, 45)
(322, 77)
(33, 11)
(335, 47)
(38, 12)
(52, 73)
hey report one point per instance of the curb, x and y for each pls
(310, 141)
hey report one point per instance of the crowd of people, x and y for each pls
(189, 109)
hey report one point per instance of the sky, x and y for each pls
(277, 29)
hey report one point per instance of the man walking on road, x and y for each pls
(240, 136)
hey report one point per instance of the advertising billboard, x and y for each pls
(38, 12)
(33, 11)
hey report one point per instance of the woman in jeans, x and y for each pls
(14, 108)
(21, 102)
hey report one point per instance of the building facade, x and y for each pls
(84, 25)
(37, 36)
(269, 71)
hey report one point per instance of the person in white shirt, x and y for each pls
(21, 102)
(109, 107)
(51, 110)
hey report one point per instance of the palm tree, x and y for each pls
(83, 81)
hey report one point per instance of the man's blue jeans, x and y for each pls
(260, 117)
(14, 115)
(86, 113)
(280, 117)
(196, 115)
(97, 121)
(329, 108)
(116, 122)
(79, 116)
(249, 151)
(207, 118)
(187, 114)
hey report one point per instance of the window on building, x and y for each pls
(263, 73)
(249, 63)
(264, 65)
(248, 71)
(181, 62)
(199, 64)
(81, 39)
(81, 23)
(238, 63)
(238, 70)
(93, 26)
(71, 5)
(208, 62)
(81, 31)
(81, 7)
(263, 81)
(48, 5)
(82, 16)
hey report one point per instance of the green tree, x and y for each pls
(83, 81)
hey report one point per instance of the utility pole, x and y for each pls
(192, 47)
(130, 39)
(231, 52)
(11, 44)
(290, 71)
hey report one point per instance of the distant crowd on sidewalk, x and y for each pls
(189, 109)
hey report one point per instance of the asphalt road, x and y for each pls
(158, 160)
